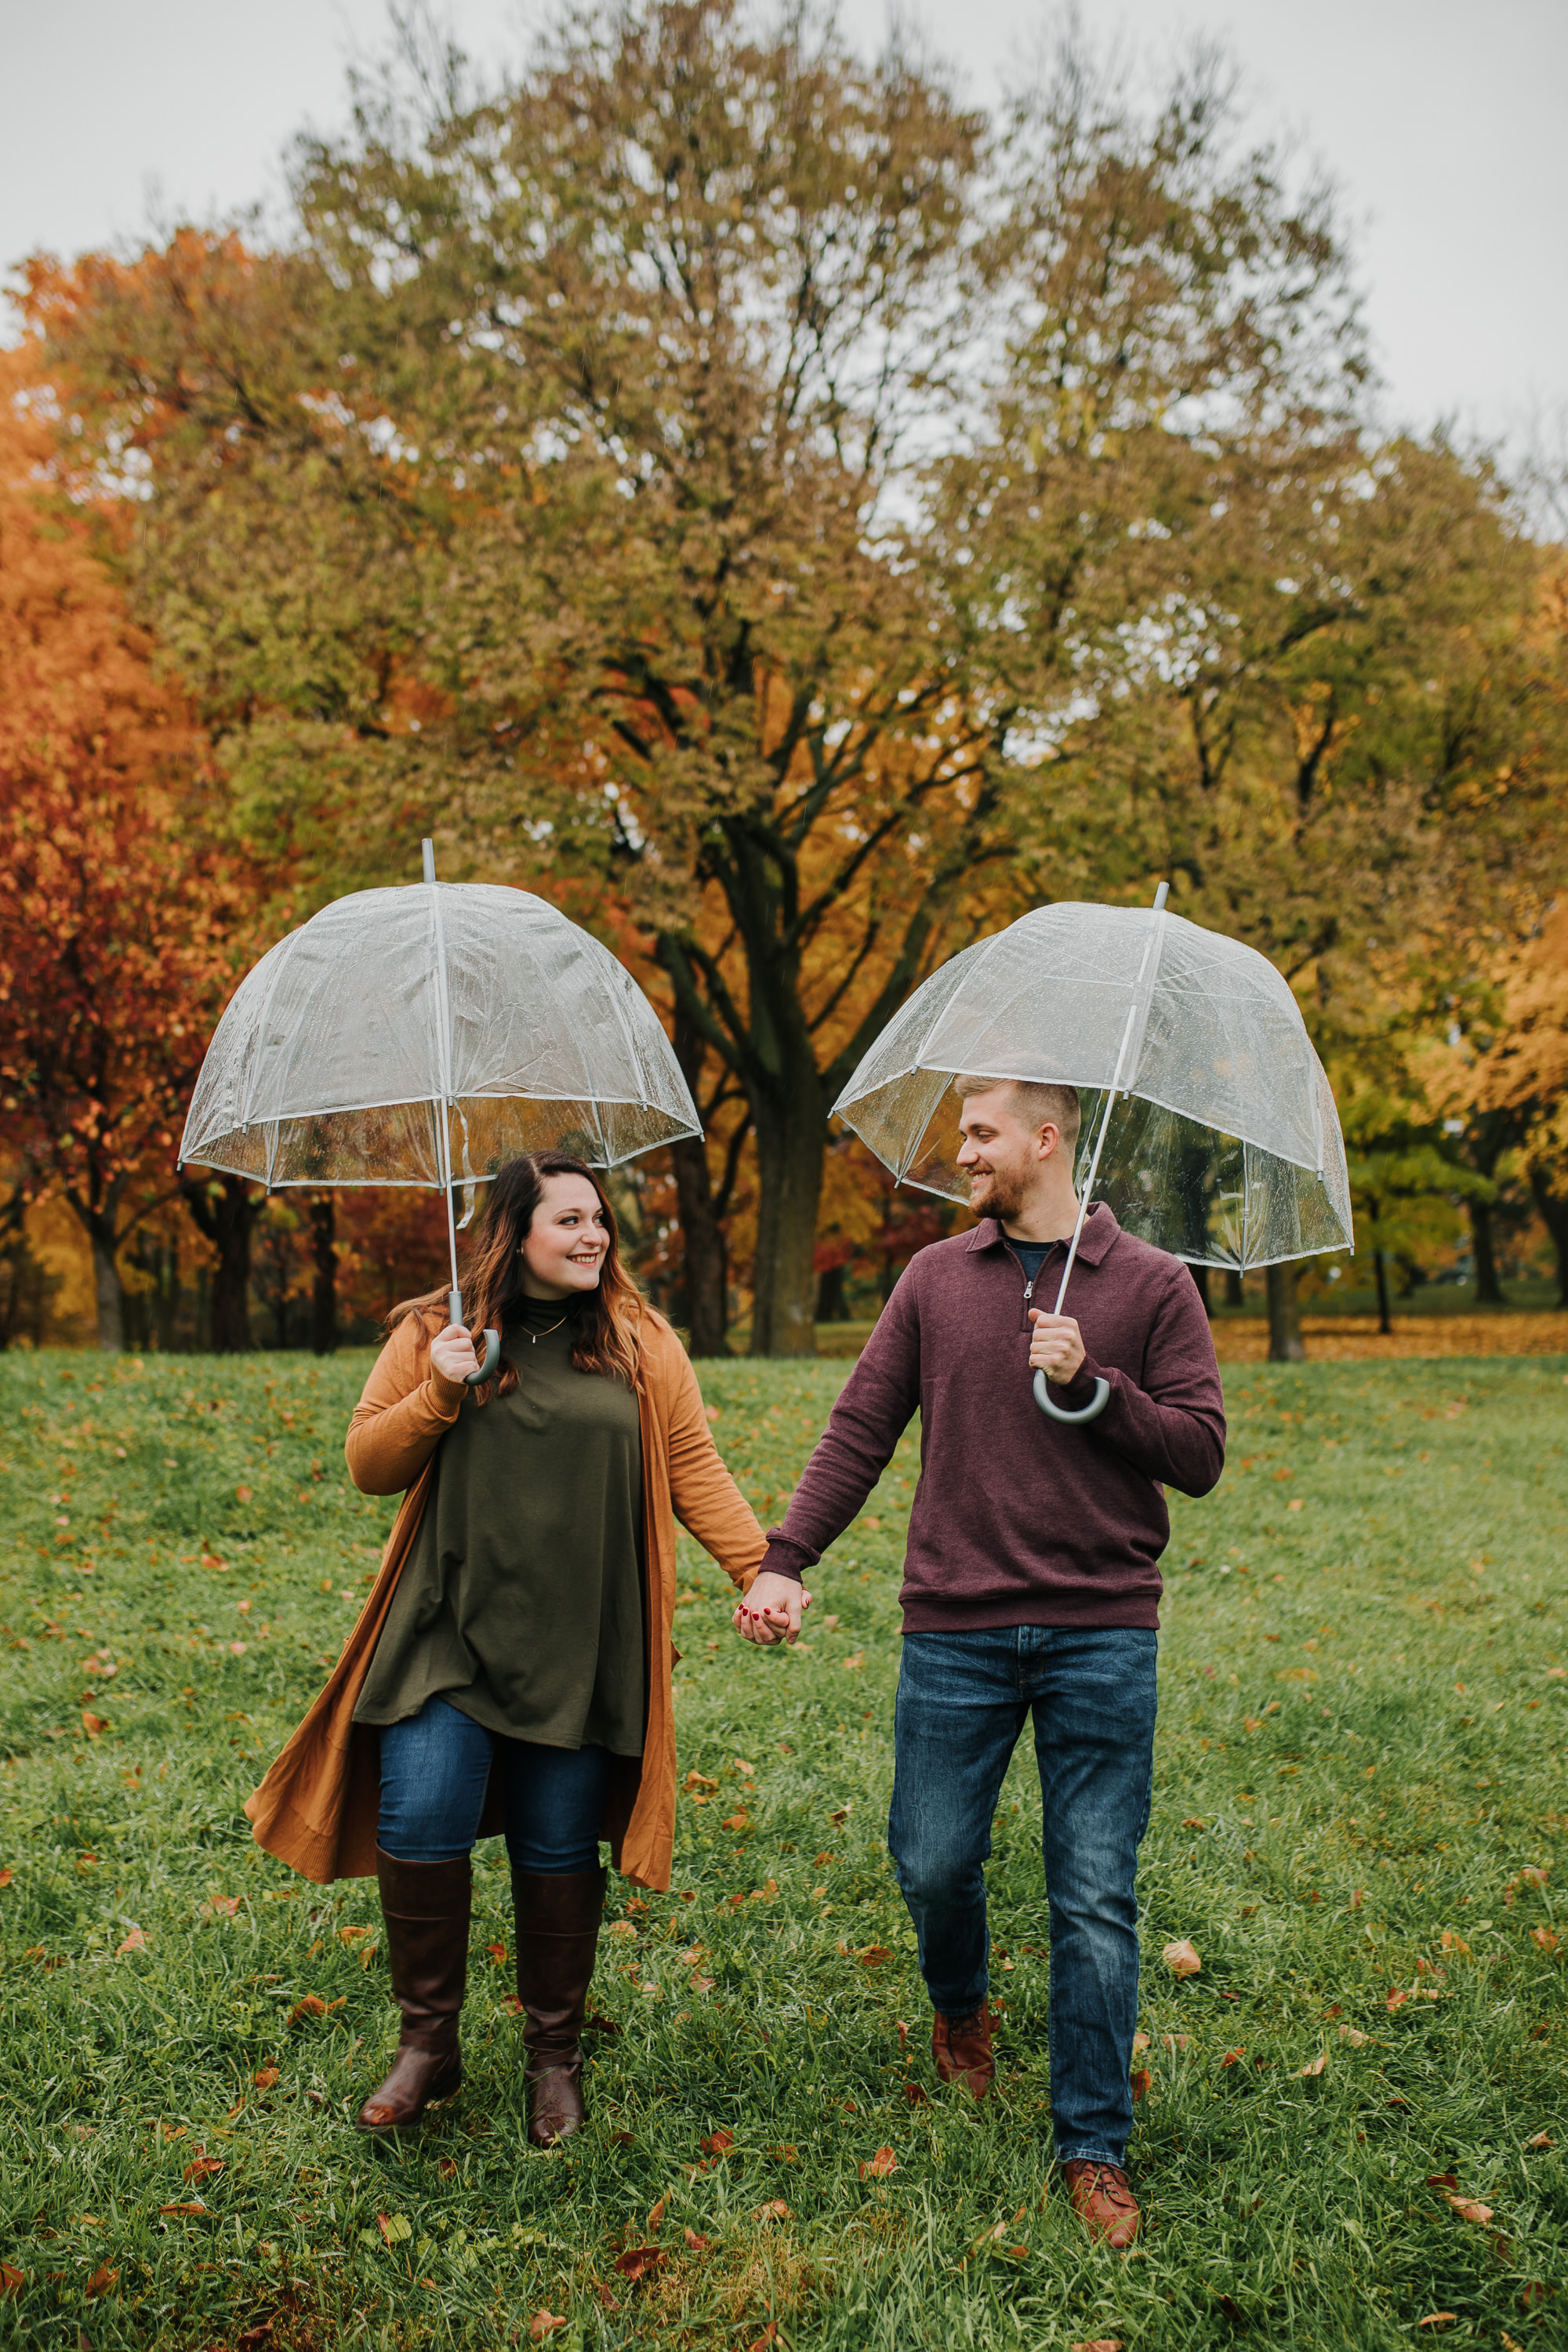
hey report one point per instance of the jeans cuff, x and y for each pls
(1092, 2156)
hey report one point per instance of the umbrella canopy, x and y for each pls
(412, 1036)
(1225, 1147)
(423, 1036)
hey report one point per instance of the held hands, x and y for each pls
(452, 1352)
(1057, 1348)
(772, 1610)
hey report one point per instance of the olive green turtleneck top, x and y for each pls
(521, 1601)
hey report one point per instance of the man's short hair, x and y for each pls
(1034, 1103)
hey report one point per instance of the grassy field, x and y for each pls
(1360, 1822)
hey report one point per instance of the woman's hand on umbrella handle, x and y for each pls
(772, 1610)
(1057, 1348)
(452, 1354)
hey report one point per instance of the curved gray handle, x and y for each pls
(492, 1358)
(1089, 1411)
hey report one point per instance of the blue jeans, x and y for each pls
(435, 1769)
(962, 1701)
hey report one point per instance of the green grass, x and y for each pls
(1360, 1746)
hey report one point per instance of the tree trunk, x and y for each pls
(224, 1211)
(1200, 1274)
(831, 1305)
(1489, 1289)
(108, 1290)
(704, 1244)
(1285, 1342)
(792, 1137)
(324, 1294)
(1235, 1289)
(1554, 1216)
(705, 1255)
(1384, 1314)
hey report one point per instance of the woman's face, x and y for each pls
(566, 1242)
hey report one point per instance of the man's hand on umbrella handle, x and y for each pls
(772, 1610)
(452, 1354)
(1057, 1348)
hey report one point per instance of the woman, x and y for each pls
(511, 1668)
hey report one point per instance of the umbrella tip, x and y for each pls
(428, 851)
(1161, 895)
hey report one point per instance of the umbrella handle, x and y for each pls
(492, 1342)
(1089, 1411)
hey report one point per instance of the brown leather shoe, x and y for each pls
(1103, 2201)
(425, 1906)
(961, 2048)
(558, 1915)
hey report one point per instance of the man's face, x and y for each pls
(1001, 1155)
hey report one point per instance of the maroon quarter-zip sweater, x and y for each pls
(1018, 1520)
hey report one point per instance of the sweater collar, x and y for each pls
(1100, 1230)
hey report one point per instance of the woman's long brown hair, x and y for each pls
(605, 1322)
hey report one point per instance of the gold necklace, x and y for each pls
(536, 1336)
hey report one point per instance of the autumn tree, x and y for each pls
(114, 925)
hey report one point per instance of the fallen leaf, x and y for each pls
(703, 1984)
(496, 1951)
(1444, 2180)
(1181, 1958)
(1436, 2320)
(242, 1495)
(195, 2206)
(1099, 2344)
(103, 2278)
(1177, 2041)
(1142, 2081)
(873, 1956)
(880, 2166)
(394, 2228)
(916, 2095)
(639, 2260)
(201, 2168)
(696, 1780)
(1468, 2209)
(1317, 2064)
(736, 1821)
(1545, 1936)
(1450, 1942)
(226, 1907)
(1530, 1876)
(447, 2168)
(655, 2219)
(1542, 2139)
(1354, 2036)
(5, 1877)
(135, 1942)
(266, 2078)
(1397, 1999)
(12, 2281)
(92, 1724)
(840, 1816)
(769, 2336)
(698, 2244)
(543, 2324)
(775, 2209)
(1232, 2057)
(717, 2143)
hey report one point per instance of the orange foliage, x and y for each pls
(117, 924)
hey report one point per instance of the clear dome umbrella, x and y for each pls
(1215, 1135)
(421, 1037)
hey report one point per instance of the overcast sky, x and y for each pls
(1442, 120)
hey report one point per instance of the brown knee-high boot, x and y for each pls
(558, 1916)
(425, 1906)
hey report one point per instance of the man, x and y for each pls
(1031, 1584)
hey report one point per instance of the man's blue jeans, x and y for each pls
(436, 1767)
(962, 1701)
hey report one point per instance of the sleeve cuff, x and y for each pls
(1080, 1391)
(445, 1395)
(785, 1556)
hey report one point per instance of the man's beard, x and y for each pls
(1005, 1197)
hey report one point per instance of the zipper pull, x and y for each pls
(1028, 1292)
